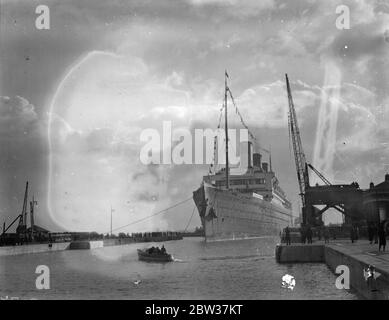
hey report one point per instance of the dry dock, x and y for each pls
(356, 256)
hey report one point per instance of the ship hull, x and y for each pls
(229, 215)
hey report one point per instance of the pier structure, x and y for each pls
(376, 203)
(345, 198)
(358, 258)
(356, 205)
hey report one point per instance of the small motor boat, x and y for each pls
(154, 256)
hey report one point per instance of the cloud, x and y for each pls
(267, 104)
(18, 118)
(360, 152)
(364, 127)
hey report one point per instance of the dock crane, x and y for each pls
(346, 198)
(22, 227)
(323, 178)
(299, 155)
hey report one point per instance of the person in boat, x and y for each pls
(163, 250)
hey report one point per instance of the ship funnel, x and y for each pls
(257, 160)
(246, 156)
(250, 154)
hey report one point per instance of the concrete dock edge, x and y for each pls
(299, 253)
(73, 245)
(336, 255)
(376, 290)
(33, 248)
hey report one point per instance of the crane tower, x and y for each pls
(299, 155)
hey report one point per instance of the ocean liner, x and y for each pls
(239, 204)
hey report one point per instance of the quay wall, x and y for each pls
(336, 256)
(299, 253)
(374, 290)
(85, 245)
(117, 242)
(33, 248)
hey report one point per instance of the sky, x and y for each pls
(74, 99)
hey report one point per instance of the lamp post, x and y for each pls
(112, 210)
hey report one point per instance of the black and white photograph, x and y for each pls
(204, 151)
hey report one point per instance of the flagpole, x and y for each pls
(226, 127)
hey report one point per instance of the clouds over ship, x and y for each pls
(164, 60)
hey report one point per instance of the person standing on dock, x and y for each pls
(370, 233)
(302, 233)
(309, 234)
(375, 233)
(352, 234)
(326, 235)
(381, 237)
(287, 236)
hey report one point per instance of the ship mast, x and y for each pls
(226, 127)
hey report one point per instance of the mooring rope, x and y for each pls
(154, 214)
(194, 208)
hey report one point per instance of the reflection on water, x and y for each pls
(243, 269)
